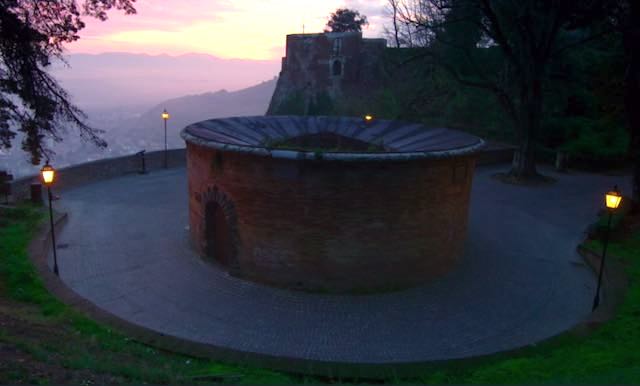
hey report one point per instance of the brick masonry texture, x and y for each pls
(333, 226)
(332, 64)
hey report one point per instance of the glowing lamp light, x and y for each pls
(613, 199)
(48, 174)
(165, 115)
(368, 118)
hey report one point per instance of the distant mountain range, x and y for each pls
(132, 128)
(193, 108)
(124, 80)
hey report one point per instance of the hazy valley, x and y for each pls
(124, 95)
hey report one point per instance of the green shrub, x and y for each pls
(595, 139)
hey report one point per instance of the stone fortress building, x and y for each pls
(279, 200)
(320, 68)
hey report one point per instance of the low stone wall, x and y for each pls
(76, 175)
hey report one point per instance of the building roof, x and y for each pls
(400, 140)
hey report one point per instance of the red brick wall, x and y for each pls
(335, 226)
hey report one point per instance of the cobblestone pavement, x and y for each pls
(125, 248)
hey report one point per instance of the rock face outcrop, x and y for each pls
(319, 69)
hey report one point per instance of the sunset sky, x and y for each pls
(244, 29)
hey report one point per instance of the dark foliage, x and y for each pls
(346, 20)
(507, 49)
(32, 34)
(630, 26)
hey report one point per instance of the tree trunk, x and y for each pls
(524, 158)
(523, 166)
(635, 194)
(632, 97)
(394, 8)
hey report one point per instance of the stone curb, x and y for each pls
(38, 252)
(614, 287)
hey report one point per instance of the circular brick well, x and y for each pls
(329, 203)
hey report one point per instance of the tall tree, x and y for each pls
(393, 10)
(32, 34)
(631, 36)
(402, 33)
(506, 47)
(346, 20)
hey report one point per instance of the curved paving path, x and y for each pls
(125, 249)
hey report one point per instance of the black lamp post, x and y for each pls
(48, 177)
(165, 118)
(612, 201)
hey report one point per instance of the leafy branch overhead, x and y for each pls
(32, 33)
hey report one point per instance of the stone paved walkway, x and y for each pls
(125, 249)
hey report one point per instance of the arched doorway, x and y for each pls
(217, 234)
(337, 68)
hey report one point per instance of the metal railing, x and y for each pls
(143, 169)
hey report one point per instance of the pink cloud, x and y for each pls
(252, 29)
(161, 15)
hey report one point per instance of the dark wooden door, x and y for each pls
(217, 234)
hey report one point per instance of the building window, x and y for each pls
(337, 46)
(336, 68)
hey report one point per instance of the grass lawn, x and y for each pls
(609, 354)
(44, 341)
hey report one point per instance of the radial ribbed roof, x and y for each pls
(399, 139)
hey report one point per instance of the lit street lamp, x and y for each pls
(612, 201)
(368, 118)
(165, 118)
(48, 177)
